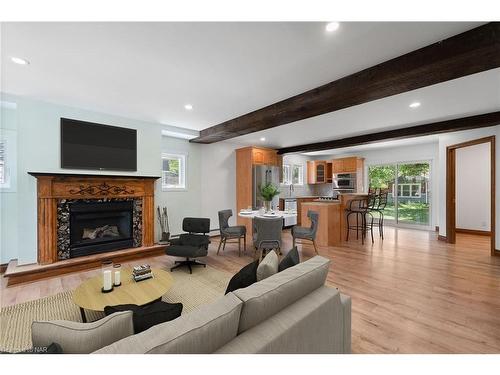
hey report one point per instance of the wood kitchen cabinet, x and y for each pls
(316, 172)
(346, 165)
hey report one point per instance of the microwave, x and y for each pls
(345, 181)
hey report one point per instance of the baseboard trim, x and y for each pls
(442, 238)
(473, 231)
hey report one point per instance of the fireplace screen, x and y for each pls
(97, 227)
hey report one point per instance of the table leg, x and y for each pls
(82, 312)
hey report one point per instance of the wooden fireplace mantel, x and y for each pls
(52, 187)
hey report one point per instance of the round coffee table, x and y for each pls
(88, 295)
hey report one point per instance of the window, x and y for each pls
(8, 164)
(287, 176)
(297, 174)
(173, 171)
(293, 174)
(409, 190)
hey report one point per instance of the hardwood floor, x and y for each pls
(410, 293)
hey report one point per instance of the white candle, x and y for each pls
(107, 280)
(117, 278)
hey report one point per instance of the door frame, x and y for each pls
(451, 189)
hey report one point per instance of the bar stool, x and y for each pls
(361, 209)
(378, 208)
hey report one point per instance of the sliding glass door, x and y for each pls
(408, 185)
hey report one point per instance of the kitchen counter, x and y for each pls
(332, 224)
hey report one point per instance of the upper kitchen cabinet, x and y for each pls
(317, 172)
(346, 165)
(265, 156)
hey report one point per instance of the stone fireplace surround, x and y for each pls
(56, 191)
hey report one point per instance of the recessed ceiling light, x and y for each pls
(332, 26)
(19, 61)
(262, 139)
(414, 105)
(188, 107)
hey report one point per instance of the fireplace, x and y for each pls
(97, 227)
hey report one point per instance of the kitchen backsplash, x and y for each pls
(305, 190)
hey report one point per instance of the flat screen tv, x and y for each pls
(86, 145)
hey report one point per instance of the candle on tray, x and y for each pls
(107, 276)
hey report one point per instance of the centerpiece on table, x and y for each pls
(268, 192)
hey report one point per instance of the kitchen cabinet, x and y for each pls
(265, 156)
(346, 165)
(316, 172)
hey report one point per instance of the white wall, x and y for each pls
(182, 203)
(449, 139)
(473, 188)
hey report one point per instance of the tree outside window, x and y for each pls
(173, 171)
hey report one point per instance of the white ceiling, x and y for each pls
(148, 71)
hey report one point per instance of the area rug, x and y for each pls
(204, 286)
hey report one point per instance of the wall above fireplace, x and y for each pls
(53, 189)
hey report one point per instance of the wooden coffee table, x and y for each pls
(88, 295)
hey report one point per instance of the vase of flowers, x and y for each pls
(268, 192)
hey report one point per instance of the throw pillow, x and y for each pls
(146, 316)
(82, 338)
(268, 266)
(291, 259)
(245, 277)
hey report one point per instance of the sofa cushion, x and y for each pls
(149, 315)
(202, 331)
(82, 338)
(268, 266)
(245, 277)
(291, 259)
(269, 296)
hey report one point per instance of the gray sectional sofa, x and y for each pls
(290, 312)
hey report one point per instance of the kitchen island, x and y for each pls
(332, 219)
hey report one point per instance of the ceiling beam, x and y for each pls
(467, 53)
(464, 123)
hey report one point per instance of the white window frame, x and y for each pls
(411, 185)
(8, 138)
(182, 186)
(301, 174)
(287, 174)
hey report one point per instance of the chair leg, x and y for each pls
(239, 246)
(315, 248)
(244, 243)
(363, 219)
(357, 228)
(220, 243)
(381, 225)
(224, 246)
(371, 227)
(347, 226)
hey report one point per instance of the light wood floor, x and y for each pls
(410, 293)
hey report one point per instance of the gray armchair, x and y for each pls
(307, 233)
(193, 244)
(267, 233)
(234, 232)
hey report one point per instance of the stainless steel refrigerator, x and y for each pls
(261, 175)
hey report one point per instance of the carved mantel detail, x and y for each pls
(101, 190)
(52, 187)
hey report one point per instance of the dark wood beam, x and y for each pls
(467, 53)
(464, 123)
